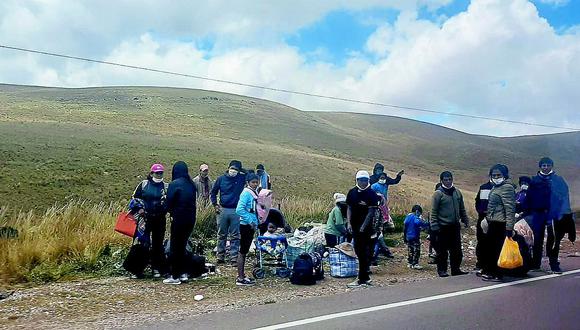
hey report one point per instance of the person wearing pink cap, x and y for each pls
(152, 192)
(203, 184)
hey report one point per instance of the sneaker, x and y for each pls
(490, 278)
(354, 284)
(409, 265)
(556, 269)
(442, 274)
(134, 277)
(417, 266)
(156, 273)
(171, 280)
(245, 281)
(479, 273)
(184, 278)
(369, 282)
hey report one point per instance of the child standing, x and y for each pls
(412, 230)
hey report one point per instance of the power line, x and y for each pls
(287, 91)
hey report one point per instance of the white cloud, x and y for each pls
(557, 3)
(498, 59)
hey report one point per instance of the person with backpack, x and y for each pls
(362, 203)
(501, 210)
(264, 178)
(203, 184)
(481, 200)
(151, 192)
(229, 187)
(548, 202)
(447, 211)
(248, 213)
(335, 228)
(412, 235)
(181, 204)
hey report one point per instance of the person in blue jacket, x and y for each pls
(229, 187)
(412, 231)
(382, 185)
(181, 204)
(548, 202)
(246, 210)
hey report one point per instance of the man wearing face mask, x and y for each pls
(361, 201)
(152, 192)
(548, 201)
(203, 184)
(229, 186)
(447, 211)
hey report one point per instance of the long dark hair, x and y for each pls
(343, 207)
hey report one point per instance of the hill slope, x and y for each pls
(97, 143)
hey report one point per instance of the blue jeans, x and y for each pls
(228, 223)
(539, 222)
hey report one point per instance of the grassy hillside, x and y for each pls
(97, 143)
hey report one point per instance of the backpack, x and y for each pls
(137, 259)
(317, 265)
(303, 270)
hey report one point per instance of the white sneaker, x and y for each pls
(354, 284)
(409, 266)
(171, 280)
(184, 278)
(417, 266)
(156, 273)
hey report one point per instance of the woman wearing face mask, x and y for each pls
(335, 228)
(500, 218)
(524, 182)
(152, 192)
(382, 185)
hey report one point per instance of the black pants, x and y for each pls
(363, 247)
(449, 244)
(479, 246)
(555, 235)
(538, 225)
(155, 226)
(181, 229)
(331, 240)
(493, 244)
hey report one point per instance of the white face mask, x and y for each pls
(524, 187)
(382, 181)
(232, 172)
(157, 180)
(498, 181)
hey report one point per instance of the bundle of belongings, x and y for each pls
(343, 261)
(306, 241)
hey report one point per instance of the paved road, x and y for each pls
(465, 302)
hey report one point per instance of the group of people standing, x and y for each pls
(233, 195)
(358, 217)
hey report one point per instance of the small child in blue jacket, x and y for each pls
(412, 230)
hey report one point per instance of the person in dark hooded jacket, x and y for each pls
(379, 170)
(481, 200)
(181, 204)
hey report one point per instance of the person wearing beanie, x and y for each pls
(247, 210)
(203, 184)
(152, 191)
(264, 178)
(548, 203)
(524, 182)
(335, 228)
(447, 211)
(501, 219)
(361, 202)
(228, 186)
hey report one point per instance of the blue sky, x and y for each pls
(339, 34)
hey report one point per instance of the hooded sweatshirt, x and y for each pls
(502, 204)
(246, 208)
(181, 193)
(377, 170)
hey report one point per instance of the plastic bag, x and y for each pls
(510, 256)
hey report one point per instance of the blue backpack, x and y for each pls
(303, 270)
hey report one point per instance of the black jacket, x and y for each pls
(153, 196)
(181, 194)
(482, 199)
(377, 171)
(538, 197)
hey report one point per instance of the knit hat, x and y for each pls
(260, 167)
(339, 198)
(252, 176)
(525, 179)
(236, 164)
(502, 169)
(546, 160)
(362, 175)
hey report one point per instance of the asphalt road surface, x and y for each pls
(541, 301)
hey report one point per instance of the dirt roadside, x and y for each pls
(123, 303)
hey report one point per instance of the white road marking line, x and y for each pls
(410, 302)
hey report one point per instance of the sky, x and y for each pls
(516, 60)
